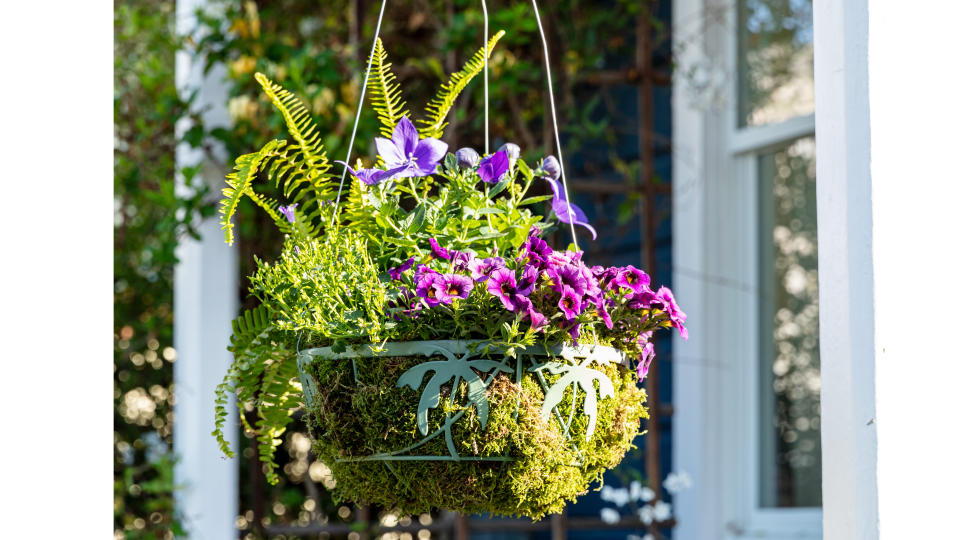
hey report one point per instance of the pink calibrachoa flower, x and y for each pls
(569, 303)
(396, 272)
(460, 260)
(536, 251)
(453, 286)
(438, 251)
(480, 269)
(647, 355)
(632, 278)
(503, 285)
(537, 320)
(429, 287)
(677, 317)
(528, 280)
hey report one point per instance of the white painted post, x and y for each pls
(887, 196)
(205, 301)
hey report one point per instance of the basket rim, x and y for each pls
(600, 353)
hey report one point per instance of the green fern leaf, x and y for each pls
(239, 183)
(438, 108)
(301, 127)
(385, 93)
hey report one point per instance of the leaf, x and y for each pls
(239, 184)
(440, 105)
(385, 93)
(444, 371)
(533, 200)
(581, 376)
(495, 190)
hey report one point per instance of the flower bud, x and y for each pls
(552, 167)
(512, 150)
(467, 158)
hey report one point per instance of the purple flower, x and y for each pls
(552, 167)
(511, 150)
(406, 151)
(560, 203)
(503, 285)
(439, 252)
(647, 355)
(677, 317)
(537, 320)
(565, 276)
(537, 251)
(528, 280)
(397, 271)
(460, 260)
(601, 306)
(430, 287)
(573, 329)
(372, 177)
(632, 278)
(569, 303)
(422, 270)
(480, 269)
(645, 299)
(493, 167)
(467, 158)
(288, 213)
(453, 286)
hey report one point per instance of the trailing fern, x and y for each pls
(438, 108)
(240, 182)
(385, 93)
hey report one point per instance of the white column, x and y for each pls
(887, 196)
(205, 301)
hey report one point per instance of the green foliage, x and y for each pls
(356, 420)
(385, 93)
(438, 108)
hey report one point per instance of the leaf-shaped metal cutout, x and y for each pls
(582, 376)
(453, 369)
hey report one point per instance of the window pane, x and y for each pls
(789, 431)
(775, 60)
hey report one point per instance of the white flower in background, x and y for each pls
(646, 514)
(609, 515)
(648, 536)
(676, 482)
(661, 511)
(618, 496)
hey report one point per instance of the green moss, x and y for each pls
(350, 419)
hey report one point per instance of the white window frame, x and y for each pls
(716, 387)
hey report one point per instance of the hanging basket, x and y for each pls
(463, 426)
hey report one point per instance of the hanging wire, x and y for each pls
(556, 129)
(486, 81)
(356, 121)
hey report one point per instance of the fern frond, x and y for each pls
(385, 93)
(438, 107)
(301, 127)
(279, 397)
(239, 183)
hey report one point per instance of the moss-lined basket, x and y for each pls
(463, 426)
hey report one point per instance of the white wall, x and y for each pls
(887, 111)
(205, 301)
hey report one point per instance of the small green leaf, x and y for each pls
(495, 190)
(533, 200)
(485, 211)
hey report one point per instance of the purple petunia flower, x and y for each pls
(460, 260)
(439, 252)
(372, 177)
(601, 305)
(569, 303)
(528, 280)
(537, 251)
(677, 317)
(645, 299)
(396, 272)
(422, 270)
(288, 212)
(493, 167)
(407, 151)
(453, 286)
(537, 320)
(632, 278)
(559, 205)
(503, 285)
(480, 269)
(647, 355)
(430, 287)
(567, 275)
